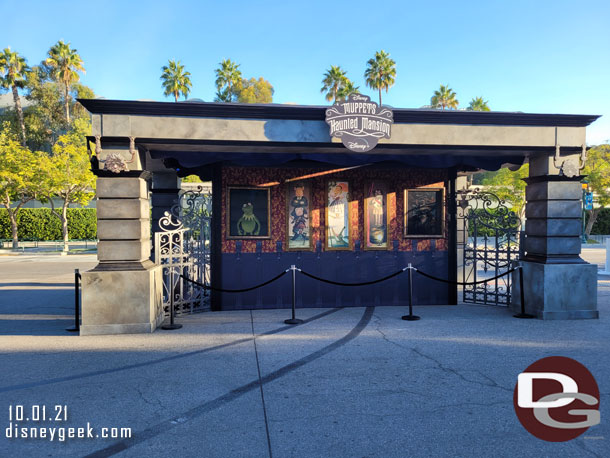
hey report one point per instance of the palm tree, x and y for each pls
(175, 80)
(13, 74)
(478, 104)
(380, 72)
(348, 88)
(334, 80)
(229, 75)
(65, 63)
(444, 98)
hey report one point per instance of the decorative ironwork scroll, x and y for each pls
(490, 242)
(182, 247)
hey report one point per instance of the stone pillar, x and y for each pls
(558, 283)
(123, 293)
(164, 193)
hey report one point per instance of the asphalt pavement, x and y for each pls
(349, 382)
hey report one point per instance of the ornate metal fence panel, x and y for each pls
(182, 247)
(490, 244)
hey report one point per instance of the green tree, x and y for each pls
(65, 63)
(67, 174)
(348, 89)
(20, 178)
(175, 80)
(334, 81)
(228, 76)
(478, 104)
(45, 117)
(254, 91)
(597, 170)
(191, 179)
(445, 97)
(13, 76)
(509, 186)
(380, 72)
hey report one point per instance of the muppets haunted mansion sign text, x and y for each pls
(359, 123)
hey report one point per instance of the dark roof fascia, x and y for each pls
(190, 145)
(317, 113)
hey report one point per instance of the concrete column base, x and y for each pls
(121, 302)
(557, 291)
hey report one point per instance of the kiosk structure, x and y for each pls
(375, 196)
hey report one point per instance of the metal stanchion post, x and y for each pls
(294, 319)
(171, 324)
(76, 327)
(522, 294)
(410, 316)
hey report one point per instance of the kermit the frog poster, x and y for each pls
(248, 213)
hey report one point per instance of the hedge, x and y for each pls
(601, 226)
(41, 224)
(483, 219)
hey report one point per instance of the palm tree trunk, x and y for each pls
(176, 95)
(380, 96)
(67, 101)
(19, 114)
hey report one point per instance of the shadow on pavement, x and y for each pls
(41, 285)
(36, 327)
(29, 309)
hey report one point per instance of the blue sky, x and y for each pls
(531, 56)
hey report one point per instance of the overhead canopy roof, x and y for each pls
(196, 134)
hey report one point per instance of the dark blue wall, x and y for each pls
(248, 269)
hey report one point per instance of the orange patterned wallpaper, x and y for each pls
(397, 180)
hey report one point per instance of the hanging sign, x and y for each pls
(359, 123)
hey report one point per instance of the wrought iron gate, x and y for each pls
(182, 246)
(490, 242)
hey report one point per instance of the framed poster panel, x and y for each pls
(337, 215)
(298, 233)
(248, 213)
(376, 216)
(424, 213)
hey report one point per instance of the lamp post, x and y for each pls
(585, 187)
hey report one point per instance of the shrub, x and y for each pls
(41, 224)
(486, 224)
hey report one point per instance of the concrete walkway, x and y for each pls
(353, 382)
